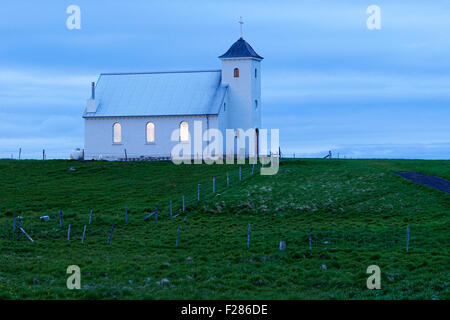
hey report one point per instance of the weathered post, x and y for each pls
(214, 184)
(310, 244)
(171, 208)
(126, 214)
(198, 192)
(110, 234)
(183, 204)
(14, 222)
(90, 218)
(407, 238)
(248, 236)
(23, 231)
(19, 227)
(84, 234)
(60, 218)
(156, 213)
(68, 234)
(178, 235)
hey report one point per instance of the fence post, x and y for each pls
(171, 208)
(183, 204)
(19, 227)
(68, 234)
(90, 218)
(84, 233)
(253, 168)
(110, 234)
(60, 218)
(407, 238)
(248, 236)
(156, 212)
(214, 184)
(14, 222)
(310, 244)
(126, 215)
(43, 154)
(240, 173)
(198, 192)
(178, 235)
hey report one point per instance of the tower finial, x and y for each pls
(241, 23)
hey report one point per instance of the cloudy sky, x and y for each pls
(328, 82)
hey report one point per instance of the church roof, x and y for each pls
(158, 94)
(241, 49)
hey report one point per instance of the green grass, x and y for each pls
(358, 210)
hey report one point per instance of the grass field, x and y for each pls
(358, 210)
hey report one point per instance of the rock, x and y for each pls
(162, 282)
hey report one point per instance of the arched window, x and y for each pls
(236, 72)
(117, 133)
(150, 132)
(256, 73)
(184, 131)
(256, 104)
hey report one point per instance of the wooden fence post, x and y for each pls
(183, 204)
(60, 218)
(84, 233)
(126, 215)
(198, 192)
(110, 234)
(407, 238)
(248, 236)
(26, 234)
(178, 235)
(68, 234)
(90, 218)
(156, 212)
(310, 242)
(214, 184)
(171, 208)
(14, 222)
(19, 227)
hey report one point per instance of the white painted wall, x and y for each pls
(99, 135)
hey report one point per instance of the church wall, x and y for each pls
(99, 135)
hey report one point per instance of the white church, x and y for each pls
(133, 115)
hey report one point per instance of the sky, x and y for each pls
(328, 82)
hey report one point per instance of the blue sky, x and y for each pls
(328, 82)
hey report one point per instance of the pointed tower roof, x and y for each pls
(241, 49)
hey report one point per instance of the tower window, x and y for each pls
(236, 72)
(256, 73)
(184, 131)
(117, 133)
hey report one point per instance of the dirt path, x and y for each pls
(431, 181)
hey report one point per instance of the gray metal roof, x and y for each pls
(158, 93)
(241, 49)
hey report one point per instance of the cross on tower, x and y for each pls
(241, 23)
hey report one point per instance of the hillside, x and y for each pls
(358, 211)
